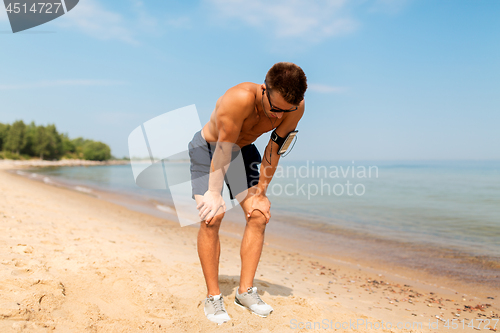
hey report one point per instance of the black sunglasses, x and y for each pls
(275, 109)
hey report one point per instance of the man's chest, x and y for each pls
(258, 125)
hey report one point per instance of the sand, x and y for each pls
(73, 263)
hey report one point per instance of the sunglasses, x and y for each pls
(275, 109)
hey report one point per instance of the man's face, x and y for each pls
(277, 104)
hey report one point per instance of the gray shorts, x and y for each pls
(242, 173)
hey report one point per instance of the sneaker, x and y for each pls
(214, 309)
(252, 301)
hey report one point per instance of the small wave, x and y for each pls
(21, 173)
(34, 175)
(83, 189)
(165, 209)
(47, 180)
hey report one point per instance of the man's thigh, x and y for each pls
(243, 172)
(200, 158)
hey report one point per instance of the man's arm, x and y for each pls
(234, 108)
(229, 119)
(270, 161)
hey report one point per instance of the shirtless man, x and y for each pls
(241, 115)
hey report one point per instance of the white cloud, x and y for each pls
(326, 89)
(90, 17)
(61, 83)
(313, 20)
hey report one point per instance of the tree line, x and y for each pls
(21, 141)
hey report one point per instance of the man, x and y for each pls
(241, 115)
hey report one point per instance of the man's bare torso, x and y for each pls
(254, 125)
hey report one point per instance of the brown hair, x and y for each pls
(289, 80)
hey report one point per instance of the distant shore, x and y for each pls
(65, 162)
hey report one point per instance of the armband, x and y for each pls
(283, 143)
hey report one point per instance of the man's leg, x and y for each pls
(209, 251)
(251, 246)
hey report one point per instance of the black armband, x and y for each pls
(283, 143)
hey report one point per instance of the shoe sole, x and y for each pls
(246, 308)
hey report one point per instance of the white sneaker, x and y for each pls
(214, 309)
(252, 301)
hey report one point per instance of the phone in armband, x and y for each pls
(283, 143)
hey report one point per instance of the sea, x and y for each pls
(438, 217)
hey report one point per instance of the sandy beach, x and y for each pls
(75, 263)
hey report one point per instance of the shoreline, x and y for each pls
(421, 261)
(326, 285)
(457, 270)
(45, 163)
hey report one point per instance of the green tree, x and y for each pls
(29, 140)
(56, 144)
(15, 137)
(4, 130)
(96, 151)
(46, 143)
(79, 143)
(67, 144)
(42, 145)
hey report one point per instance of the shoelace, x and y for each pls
(255, 296)
(218, 304)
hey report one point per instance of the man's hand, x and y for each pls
(260, 202)
(211, 205)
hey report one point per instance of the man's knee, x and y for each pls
(214, 222)
(257, 219)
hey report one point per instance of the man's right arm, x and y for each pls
(234, 108)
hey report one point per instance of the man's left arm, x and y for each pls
(270, 163)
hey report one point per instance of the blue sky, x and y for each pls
(389, 80)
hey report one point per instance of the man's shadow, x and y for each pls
(228, 285)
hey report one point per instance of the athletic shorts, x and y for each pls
(240, 176)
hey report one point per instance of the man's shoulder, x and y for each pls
(238, 100)
(242, 94)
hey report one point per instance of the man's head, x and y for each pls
(288, 80)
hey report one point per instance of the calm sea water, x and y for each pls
(445, 203)
(449, 205)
